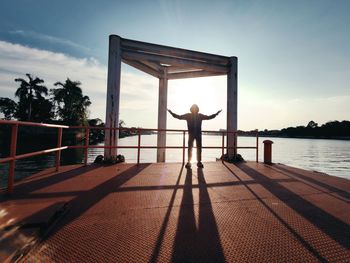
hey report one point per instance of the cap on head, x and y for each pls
(194, 108)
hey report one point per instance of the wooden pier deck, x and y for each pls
(249, 212)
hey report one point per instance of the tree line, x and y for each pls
(329, 130)
(65, 103)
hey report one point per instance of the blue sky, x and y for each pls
(293, 55)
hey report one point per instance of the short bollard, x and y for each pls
(268, 151)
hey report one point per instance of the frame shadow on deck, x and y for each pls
(165, 213)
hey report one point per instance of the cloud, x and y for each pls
(138, 92)
(48, 38)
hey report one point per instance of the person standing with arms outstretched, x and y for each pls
(194, 125)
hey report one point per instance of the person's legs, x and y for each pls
(199, 151)
(189, 152)
(199, 148)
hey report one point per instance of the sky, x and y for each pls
(293, 56)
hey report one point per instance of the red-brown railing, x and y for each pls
(11, 159)
(13, 147)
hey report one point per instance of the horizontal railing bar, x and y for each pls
(145, 147)
(122, 128)
(27, 155)
(144, 129)
(103, 128)
(33, 124)
(246, 147)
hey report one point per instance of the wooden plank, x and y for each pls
(181, 69)
(134, 55)
(194, 74)
(155, 66)
(177, 52)
(141, 66)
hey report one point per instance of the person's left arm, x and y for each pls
(177, 116)
(209, 117)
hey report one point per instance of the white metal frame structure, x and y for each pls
(165, 63)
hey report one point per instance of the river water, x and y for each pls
(327, 156)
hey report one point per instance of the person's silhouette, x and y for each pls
(194, 125)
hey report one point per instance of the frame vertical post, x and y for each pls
(232, 107)
(13, 149)
(113, 96)
(162, 116)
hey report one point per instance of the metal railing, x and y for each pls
(11, 159)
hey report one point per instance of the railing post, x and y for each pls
(11, 177)
(257, 146)
(235, 143)
(223, 147)
(138, 146)
(86, 150)
(59, 144)
(183, 146)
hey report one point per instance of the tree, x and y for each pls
(121, 123)
(8, 107)
(71, 103)
(312, 124)
(97, 122)
(96, 135)
(42, 110)
(29, 93)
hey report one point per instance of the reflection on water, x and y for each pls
(28, 166)
(328, 156)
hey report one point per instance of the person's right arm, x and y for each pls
(180, 117)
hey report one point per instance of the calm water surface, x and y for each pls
(327, 156)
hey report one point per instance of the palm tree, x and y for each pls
(27, 93)
(71, 103)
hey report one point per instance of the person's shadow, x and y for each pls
(197, 243)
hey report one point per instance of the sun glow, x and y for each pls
(209, 93)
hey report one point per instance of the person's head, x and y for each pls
(194, 108)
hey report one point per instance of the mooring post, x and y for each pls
(268, 151)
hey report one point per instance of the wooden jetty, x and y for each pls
(162, 212)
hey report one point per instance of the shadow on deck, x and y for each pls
(164, 213)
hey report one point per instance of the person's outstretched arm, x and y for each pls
(206, 117)
(180, 117)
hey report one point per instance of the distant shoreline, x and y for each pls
(248, 134)
(299, 137)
